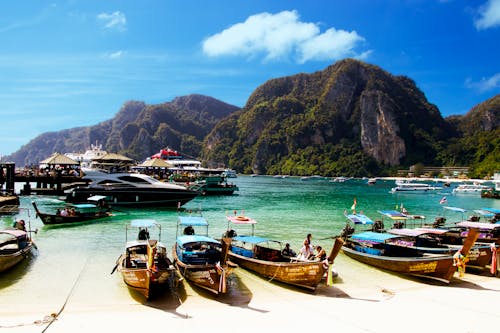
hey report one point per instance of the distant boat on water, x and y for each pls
(413, 187)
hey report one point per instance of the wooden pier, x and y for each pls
(46, 184)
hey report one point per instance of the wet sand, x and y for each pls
(363, 299)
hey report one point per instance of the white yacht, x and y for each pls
(86, 158)
(130, 189)
(470, 189)
(413, 187)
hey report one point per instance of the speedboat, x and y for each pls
(413, 187)
(130, 189)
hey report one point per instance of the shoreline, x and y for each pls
(362, 299)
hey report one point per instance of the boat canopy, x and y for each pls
(416, 232)
(484, 212)
(187, 239)
(241, 219)
(371, 236)
(252, 239)
(455, 209)
(478, 225)
(493, 210)
(194, 221)
(96, 198)
(14, 232)
(394, 214)
(436, 231)
(143, 223)
(83, 206)
(359, 219)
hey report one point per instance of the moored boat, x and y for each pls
(199, 258)
(373, 249)
(403, 186)
(470, 189)
(74, 213)
(131, 189)
(144, 265)
(264, 256)
(15, 245)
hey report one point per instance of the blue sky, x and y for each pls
(71, 63)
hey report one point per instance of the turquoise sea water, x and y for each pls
(286, 209)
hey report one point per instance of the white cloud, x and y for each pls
(485, 84)
(489, 15)
(116, 20)
(115, 55)
(282, 35)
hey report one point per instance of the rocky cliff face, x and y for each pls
(349, 104)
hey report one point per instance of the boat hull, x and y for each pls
(439, 267)
(9, 260)
(211, 277)
(301, 274)
(146, 282)
(134, 197)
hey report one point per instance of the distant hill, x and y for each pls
(477, 143)
(138, 130)
(350, 119)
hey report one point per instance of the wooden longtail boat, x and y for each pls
(264, 257)
(144, 265)
(202, 260)
(371, 248)
(433, 240)
(15, 245)
(81, 213)
(257, 255)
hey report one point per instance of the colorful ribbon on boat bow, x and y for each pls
(222, 280)
(493, 268)
(459, 260)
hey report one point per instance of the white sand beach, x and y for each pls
(363, 299)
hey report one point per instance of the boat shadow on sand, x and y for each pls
(16, 273)
(168, 301)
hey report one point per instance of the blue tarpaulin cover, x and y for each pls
(186, 239)
(143, 223)
(193, 221)
(371, 236)
(359, 219)
(393, 214)
(250, 239)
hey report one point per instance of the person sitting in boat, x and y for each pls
(143, 234)
(287, 251)
(58, 212)
(20, 225)
(306, 251)
(64, 212)
(321, 255)
(189, 230)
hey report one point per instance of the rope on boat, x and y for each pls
(275, 273)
